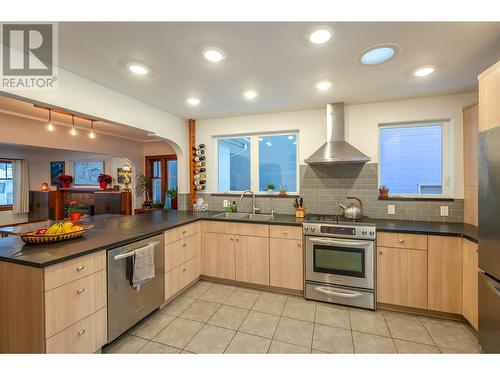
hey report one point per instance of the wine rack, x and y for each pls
(199, 174)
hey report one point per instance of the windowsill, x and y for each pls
(258, 195)
(403, 198)
(6, 208)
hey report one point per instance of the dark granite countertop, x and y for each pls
(111, 232)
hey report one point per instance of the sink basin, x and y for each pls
(243, 216)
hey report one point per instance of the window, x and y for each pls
(6, 185)
(253, 162)
(163, 172)
(413, 159)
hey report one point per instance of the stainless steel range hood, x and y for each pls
(336, 149)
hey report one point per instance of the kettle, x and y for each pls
(353, 212)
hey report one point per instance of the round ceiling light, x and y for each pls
(250, 94)
(320, 35)
(379, 54)
(423, 72)
(193, 101)
(214, 54)
(138, 69)
(323, 85)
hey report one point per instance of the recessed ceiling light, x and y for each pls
(320, 35)
(214, 54)
(378, 54)
(323, 85)
(193, 101)
(250, 94)
(138, 69)
(422, 72)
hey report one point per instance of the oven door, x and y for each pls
(340, 261)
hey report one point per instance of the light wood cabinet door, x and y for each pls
(173, 281)
(191, 270)
(252, 259)
(470, 282)
(192, 246)
(470, 136)
(218, 255)
(286, 267)
(445, 274)
(402, 277)
(489, 97)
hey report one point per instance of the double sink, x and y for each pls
(243, 216)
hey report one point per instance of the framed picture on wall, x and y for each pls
(122, 175)
(56, 168)
(86, 171)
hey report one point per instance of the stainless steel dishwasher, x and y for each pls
(127, 305)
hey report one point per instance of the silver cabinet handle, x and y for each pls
(184, 270)
(81, 332)
(80, 291)
(299, 245)
(237, 240)
(285, 232)
(79, 268)
(232, 238)
(184, 232)
(401, 241)
(131, 253)
(337, 294)
(184, 245)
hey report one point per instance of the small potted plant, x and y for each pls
(72, 211)
(172, 194)
(282, 191)
(104, 179)
(143, 187)
(270, 188)
(383, 191)
(64, 180)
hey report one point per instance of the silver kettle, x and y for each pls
(353, 212)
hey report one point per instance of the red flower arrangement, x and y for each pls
(65, 180)
(103, 177)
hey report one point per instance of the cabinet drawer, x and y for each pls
(173, 281)
(181, 251)
(72, 302)
(243, 229)
(286, 232)
(85, 336)
(74, 269)
(402, 240)
(184, 231)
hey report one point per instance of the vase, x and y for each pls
(103, 185)
(75, 216)
(64, 185)
(173, 204)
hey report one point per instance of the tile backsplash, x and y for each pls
(324, 186)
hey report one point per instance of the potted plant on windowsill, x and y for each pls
(143, 187)
(270, 188)
(383, 192)
(104, 180)
(72, 211)
(172, 194)
(64, 180)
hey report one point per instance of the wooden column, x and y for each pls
(191, 144)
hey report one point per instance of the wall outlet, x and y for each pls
(225, 203)
(391, 209)
(444, 210)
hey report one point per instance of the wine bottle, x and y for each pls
(199, 182)
(199, 152)
(199, 164)
(200, 170)
(199, 158)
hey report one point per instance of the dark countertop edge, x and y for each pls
(189, 220)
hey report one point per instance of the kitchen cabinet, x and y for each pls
(489, 97)
(38, 206)
(182, 258)
(445, 274)
(470, 282)
(107, 203)
(219, 258)
(402, 277)
(57, 309)
(252, 259)
(286, 263)
(470, 136)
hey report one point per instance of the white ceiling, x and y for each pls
(276, 60)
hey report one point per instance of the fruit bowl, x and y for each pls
(34, 238)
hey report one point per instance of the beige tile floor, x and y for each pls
(217, 318)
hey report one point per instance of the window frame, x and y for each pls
(447, 157)
(7, 207)
(163, 159)
(254, 161)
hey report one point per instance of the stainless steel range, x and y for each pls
(339, 261)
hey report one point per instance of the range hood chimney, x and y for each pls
(336, 150)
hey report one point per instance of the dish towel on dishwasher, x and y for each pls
(144, 265)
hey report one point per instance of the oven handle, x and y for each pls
(337, 294)
(131, 253)
(338, 242)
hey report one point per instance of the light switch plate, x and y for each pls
(391, 209)
(444, 210)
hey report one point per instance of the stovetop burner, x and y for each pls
(333, 219)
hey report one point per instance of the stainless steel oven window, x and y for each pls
(345, 261)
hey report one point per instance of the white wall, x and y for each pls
(362, 122)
